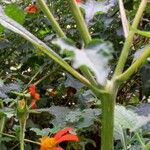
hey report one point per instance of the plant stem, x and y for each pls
(140, 140)
(124, 19)
(129, 39)
(26, 140)
(108, 104)
(47, 75)
(147, 146)
(134, 67)
(87, 73)
(22, 121)
(51, 18)
(80, 21)
(2, 120)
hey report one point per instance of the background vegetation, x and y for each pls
(64, 100)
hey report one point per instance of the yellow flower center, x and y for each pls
(21, 103)
(48, 143)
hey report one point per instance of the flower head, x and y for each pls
(32, 9)
(35, 96)
(48, 143)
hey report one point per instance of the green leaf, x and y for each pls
(127, 119)
(83, 118)
(5, 139)
(1, 29)
(3, 147)
(43, 132)
(14, 12)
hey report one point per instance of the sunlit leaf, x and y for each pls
(128, 119)
(91, 7)
(96, 56)
(45, 131)
(14, 12)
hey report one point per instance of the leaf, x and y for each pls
(59, 114)
(83, 118)
(5, 139)
(14, 12)
(43, 132)
(96, 56)
(9, 112)
(127, 119)
(72, 82)
(91, 7)
(143, 111)
(138, 53)
(3, 147)
(145, 75)
(6, 88)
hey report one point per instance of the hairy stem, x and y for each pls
(51, 18)
(80, 21)
(129, 39)
(108, 106)
(22, 132)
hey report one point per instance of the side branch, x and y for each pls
(80, 21)
(135, 66)
(51, 18)
(129, 40)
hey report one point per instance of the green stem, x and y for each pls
(129, 39)
(140, 139)
(47, 75)
(87, 73)
(107, 122)
(134, 67)
(65, 65)
(80, 21)
(147, 146)
(2, 120)
(51, 18)
(26, 140)
(35, 75)
(22, 121)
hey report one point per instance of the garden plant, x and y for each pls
(93, 61)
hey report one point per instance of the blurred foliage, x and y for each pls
(64, 100)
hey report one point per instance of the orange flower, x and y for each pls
(48, 143)
(35, 96)
(32, 9)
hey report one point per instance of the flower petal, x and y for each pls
(33, 104)
(32, 90)
(68, 137)
(47, 143)
(32, 9)
(57, 148)
(60, 133)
